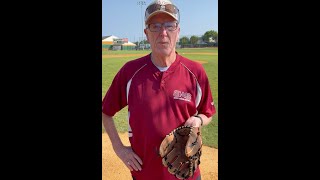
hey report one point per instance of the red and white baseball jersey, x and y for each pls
(158, 102)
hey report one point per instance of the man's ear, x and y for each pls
(146, 33)
(178, 34)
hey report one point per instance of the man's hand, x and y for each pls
(125, 153)
(193, 121)
(129, 158)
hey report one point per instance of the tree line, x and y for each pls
(209, 38)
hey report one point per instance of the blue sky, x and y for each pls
(123, 18)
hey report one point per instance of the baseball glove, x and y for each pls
(181, 150)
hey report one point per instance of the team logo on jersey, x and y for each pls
(181, 95)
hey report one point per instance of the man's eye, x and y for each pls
(170, 25)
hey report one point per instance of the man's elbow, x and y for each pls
(106, 117)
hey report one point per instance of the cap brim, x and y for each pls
(159, 12)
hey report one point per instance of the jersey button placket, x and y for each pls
(163, 83)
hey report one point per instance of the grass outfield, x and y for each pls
(112, 61)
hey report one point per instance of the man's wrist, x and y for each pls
(199, 118)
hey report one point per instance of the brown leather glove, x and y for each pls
(181, 150)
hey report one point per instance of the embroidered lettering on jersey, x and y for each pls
(181, 95)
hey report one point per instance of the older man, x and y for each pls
(162, 90)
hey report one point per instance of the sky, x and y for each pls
(125, 18)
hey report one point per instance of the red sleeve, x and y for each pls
(115, 98)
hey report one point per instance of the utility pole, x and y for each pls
(141, 3)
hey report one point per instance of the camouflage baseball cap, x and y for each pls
(162, 6)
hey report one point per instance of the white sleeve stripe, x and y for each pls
(127, 92)
(128, 88)
(129, 127)
(129, 83)
(199, 92)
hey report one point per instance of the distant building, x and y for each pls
(115, 43)
(128, 46)
(107, 41)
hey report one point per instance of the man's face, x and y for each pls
(164, 41)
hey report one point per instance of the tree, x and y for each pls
(143, 42)
(194, 40)
(184, 41)
(210, 35)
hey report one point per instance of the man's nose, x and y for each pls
(163, 30)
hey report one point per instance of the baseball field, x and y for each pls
(112, 61)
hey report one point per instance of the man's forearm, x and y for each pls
(125, 153)
(205, 119)
(111, 131)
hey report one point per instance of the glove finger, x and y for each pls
(177, 163)
(180, 160)
(183, 171)
(166, 145)
(194, 143)
(168, 159)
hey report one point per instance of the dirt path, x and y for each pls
(114, 169)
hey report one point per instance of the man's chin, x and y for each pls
(164, 50)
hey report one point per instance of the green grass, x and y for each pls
(110, 67)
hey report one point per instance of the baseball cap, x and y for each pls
(162, 6)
